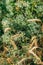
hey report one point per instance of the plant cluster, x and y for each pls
(21, 32)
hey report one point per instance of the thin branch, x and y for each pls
(7, 29)
(40, 63)
(34, 55)
(34, 48)
(14, 44)
(34, 42)
(22, 60)
(16, 35)
(32, 20)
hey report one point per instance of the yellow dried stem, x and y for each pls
(14, 44)
(9, 60)
(16, 36)
(31, 52)
(4, 52)
(5, 48)
(34, 48)
(7, 29)
(34, 20)
(42, 28)
(33, 42)
(22, 60)
(40, 63)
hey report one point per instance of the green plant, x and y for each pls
(20, 32)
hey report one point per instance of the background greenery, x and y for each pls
(14, 16)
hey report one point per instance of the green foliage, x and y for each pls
(14, 15)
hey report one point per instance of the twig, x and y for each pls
(32, 20)
(16, 35)
(34, 48)
(34, 55)
(7, 29)
(22, 60)
(14, 45)
(40, 63)
(34, 42)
